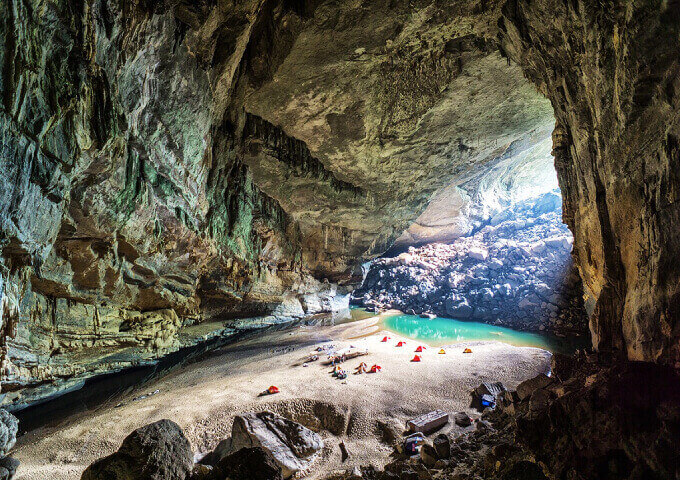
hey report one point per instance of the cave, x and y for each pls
(196, 196)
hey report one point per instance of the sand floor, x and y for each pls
(204, 397)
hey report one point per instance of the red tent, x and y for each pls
(416, 358)
(401, 344)
(385, 339)
(273, 389)
(420, 349)
(375, 369)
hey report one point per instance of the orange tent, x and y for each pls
(442, 351)
(416, 358)
(467, 350)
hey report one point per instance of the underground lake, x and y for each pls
(440, 331)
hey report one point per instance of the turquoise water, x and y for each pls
(442, 331)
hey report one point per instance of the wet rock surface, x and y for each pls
(516, 271)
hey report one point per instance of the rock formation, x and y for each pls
(292, 446)
(516, 271)
(611, 74)
(244, 464)
(158, 451)
(589, 422)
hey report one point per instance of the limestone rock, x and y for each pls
(292, 446)
(9, 426)
(527, 387)
(496, 275)
(8, 468)
(442, 445)
(248, 464)
(477, 253)
(463, 419)
(428, 455)
(158, 451)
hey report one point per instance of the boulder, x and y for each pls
(483, 426)
(459, 310)
(527, 387)
(538, 248)
(478, 253)
(292, 446)
(495, 264)
(221, 450)
(158, 451)
(8, 467)
(442, 445)
(202, 472)
(562, 366)
(248, 464)
(462, 419)
(428, 455)
(8, 432)
(558, 242)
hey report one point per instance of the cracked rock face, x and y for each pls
(170, 166)
(611, 74)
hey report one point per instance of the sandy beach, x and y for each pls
(204, 397)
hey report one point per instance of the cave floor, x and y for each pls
(204, 397)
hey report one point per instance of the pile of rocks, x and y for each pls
(515, 271)
(591, 419)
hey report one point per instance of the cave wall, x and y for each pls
(172, 170)
(611, 72)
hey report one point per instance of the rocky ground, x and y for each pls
(593, 419)
(515, 271)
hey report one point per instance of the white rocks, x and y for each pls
(538, 248)
(495, 264)
(478, 253)
(563, 243)
(293, 446)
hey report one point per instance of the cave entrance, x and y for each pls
(490, 249)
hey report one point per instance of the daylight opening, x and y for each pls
(492, 249)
